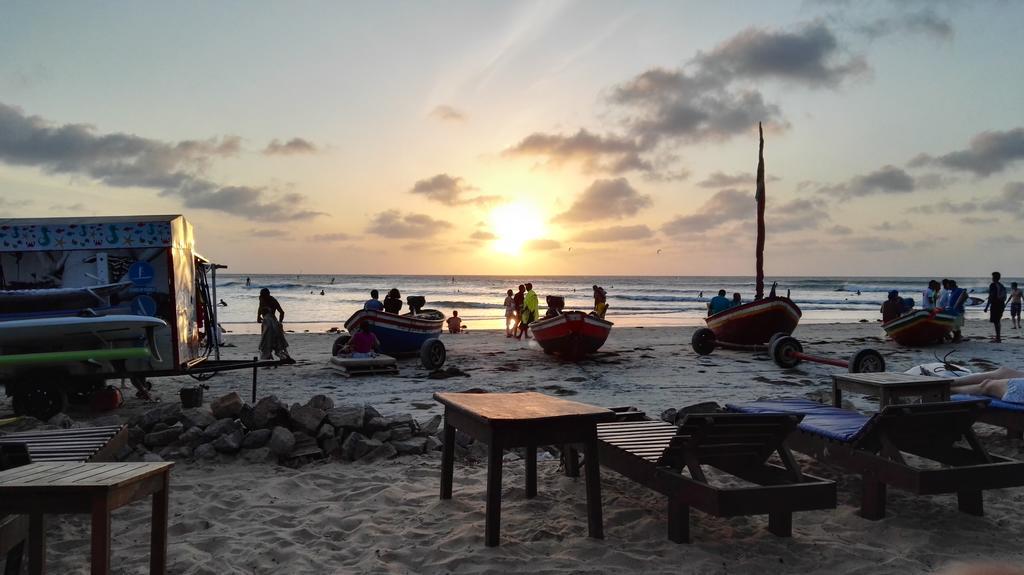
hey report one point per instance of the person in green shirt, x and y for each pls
(531, 310)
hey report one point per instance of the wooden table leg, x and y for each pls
(37, 544)
(595, 522)
(100, 537)
(492, 523)
(837, 395)
(885, 399)
(531, 471)
(158, 535)
(447, 459)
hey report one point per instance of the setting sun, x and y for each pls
(513, 225)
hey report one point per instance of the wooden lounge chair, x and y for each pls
(655, 454)
(72, 445)
(1000, 413)
(874, 446)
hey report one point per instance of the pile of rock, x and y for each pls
(271, 430)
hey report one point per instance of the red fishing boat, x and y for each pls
(570, 334)
(751, 324)
(920, 328)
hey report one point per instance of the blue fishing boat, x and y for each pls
(403, 335)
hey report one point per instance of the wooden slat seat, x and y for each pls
(655, 454)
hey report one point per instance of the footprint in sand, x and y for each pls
(576, 378)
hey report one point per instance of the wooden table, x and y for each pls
(509, 420)
(38, 489)
(890, 387)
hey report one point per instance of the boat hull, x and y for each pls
(571, 334)
(755, 322)
(920, 328)
(399, 334)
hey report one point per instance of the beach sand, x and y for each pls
(334, 517)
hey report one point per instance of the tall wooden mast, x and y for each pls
(759, 197)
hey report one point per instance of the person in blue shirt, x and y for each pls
(719, 303)
(955, 307)
(373, 304)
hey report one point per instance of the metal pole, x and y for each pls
(214, 330)
(254, 360)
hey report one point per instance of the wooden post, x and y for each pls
(759, 196)
(492, 518)
(447, 458)
(254, 360)
(531, 471)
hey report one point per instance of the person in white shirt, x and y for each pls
(930, 296)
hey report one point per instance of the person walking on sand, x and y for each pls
(956, 299)
(510, 313)
(995, 304)
(1016, 295)
(517, 301)
(272, 340)
(373, 304)
(531, 310)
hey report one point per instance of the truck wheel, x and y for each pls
(703, 341)
(39, 402)
(782, 350)
(340, 343)
(867, 361)
(433, 354)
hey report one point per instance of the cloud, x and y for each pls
(723, 207)
(605, 200)
(271, 233)
(595, 153)
(886, 180)
(987, 153)
(976, 221)
(128, 161)
(614, 234)
(331, 237)
(447, 113)
(798, 214)
(8, 203)
(1010, 200)
(874, 244)
(482, 236)
(542, 244)
(392, 224)
(450, 191)
(291, 147)
(723, 180)
(926, 22)
(888, 226)
(946, 207)
(839, 230)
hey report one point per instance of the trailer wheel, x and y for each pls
(782, 350)
(79, 392)
(776, 336)
(867, 361)
(703, 341)
(39, 402)
(339, 343)
(433, 354)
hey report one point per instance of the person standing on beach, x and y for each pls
(1015, 300)
(510, 313)
(248, 282)
(930, 296)
(944, 294)
(517, 301)
(373, 304)
(956, 299)
(600, 301)
(272, 340)
(995, 304)
(892, 307)
(531, 310)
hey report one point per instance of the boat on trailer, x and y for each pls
(751, 325)
(408, 335)
(920, 328)
(571, 334)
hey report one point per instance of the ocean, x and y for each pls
(633, 301)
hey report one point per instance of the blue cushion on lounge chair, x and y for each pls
(996, 403)
(831, 422)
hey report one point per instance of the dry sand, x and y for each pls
(333, 517)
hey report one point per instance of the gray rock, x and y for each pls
(197, 417)
(326, 431)
(348, 447)
(306, 419)
(159, 427)
(135, 435)
(381, 435)
(320, 401)
(221, 427)
(151, 457)
(205, 452)
(383, 451)
(281, 441)
(163, 437)
(669, 415)
(410, 446)
(331, 446)
(431, 426)
(404, 419)
(376, 424)
(61, 420)
(478, 451)
(369, 412)
(257, 455)
(256, 438)
(192, 437)
(229, 405)
(176, 453)
(434, 444)
(229, 442)
(365, 446)
(269, 412)
(105, 421)
(350, 416)
(246, 417)
(167, 413)
(401, 433)
(462, 439)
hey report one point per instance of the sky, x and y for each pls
(551, 137)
